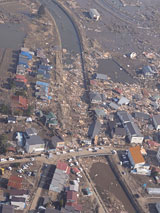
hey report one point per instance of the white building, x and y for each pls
(34, 144)
(135, 157)
(156, 121)
(94, 14)
(133, 133)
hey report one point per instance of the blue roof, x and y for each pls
(40, 83)
(45, 67)
(27, 54)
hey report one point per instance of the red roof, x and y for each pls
(20, 102)
(71, 196)
(75, 205)
(153, 143)
(118, 90)
(15, 182)
(76, 170)
(21, 78)
(63, 166)
(11, 149)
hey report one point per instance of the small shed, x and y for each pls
(123, 101)
(94, 14)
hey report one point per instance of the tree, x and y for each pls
(41, 11)
(3, 144)
(5, 109)
(29, 111)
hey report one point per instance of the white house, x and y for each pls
(156, 121)
(94, 14)
(135, 157)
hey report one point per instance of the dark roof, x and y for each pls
(124, 116)
(11, 118)
(18, 192)
(95, 97)
(133, 129)
(111, 124)
(56, 139)
(120, 131)
(20, 84)
(35, 139)
(94, 129)
(141, 115)
(18, 199)
(7, 209)
(157, 119)
(31, 131)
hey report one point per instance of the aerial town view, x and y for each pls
(79, 106)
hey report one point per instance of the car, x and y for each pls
(11, 159)
(76, 163)
(71, 164)
(3, 160)
(96, 148)
(101, 147)
(10, 168)
(32, 159)
(80, 169)
(94, 151)
(58, 153)
(90, 149)
(70, 160)
(71, 150)
(80, 149)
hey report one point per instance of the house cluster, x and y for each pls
(59, 183)
(14, 197)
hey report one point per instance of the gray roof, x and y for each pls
(133, 129)
(123, 100)
(101, 76)
(58, 181)
(113, 106)
(7, 209)
(125, 117)
(120, 131)
(100, 112)
(157, 119)
(141, 115)
(94, 129)
(95, 97)
(147, 70)
(35, 139)
(31, 131)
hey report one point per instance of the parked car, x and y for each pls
(11, 159)
(3, 159)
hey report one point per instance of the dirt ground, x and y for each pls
(107, 185)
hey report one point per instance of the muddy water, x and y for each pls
(105, 180)
(114, 71)
(11, 36)
(66, 29)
